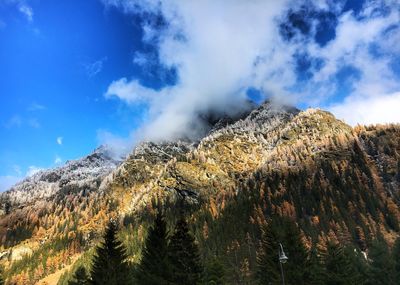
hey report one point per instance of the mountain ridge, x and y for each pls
(335, 181)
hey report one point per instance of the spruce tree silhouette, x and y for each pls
(154, 268)
(109, 265)
(80, 277)
(184, 256)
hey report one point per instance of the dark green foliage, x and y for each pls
(396, 259)
(339, 267)
(381, 265)
(359, 264)
(214, 273)
(109, 265)
(285, 231)
(315, 270)
(85, 260)
(80, 277)
(268, 266)
(1, 276)
(154, 267)
(184, 257)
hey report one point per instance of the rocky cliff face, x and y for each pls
(335, 181)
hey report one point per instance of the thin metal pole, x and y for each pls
(283, 276)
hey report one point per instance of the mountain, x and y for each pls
(337, 182)
(82, 174)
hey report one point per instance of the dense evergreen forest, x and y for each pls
(174, 258)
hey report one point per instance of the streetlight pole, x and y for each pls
(283, 276)
(282, 259)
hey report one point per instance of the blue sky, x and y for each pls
(75, 74)
(54, 70)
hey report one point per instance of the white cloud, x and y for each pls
(131, 92)
(27, 11)
(59, 140)
(7, 181)
(32, 170)
(117, 147)
(57, 160)
(370, 110)
(94, 68)
(214, 57)
(221, 48)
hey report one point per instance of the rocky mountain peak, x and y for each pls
(81, 174)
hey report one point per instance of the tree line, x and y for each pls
(166, 259)
(175, 259)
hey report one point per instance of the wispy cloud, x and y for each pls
(59, 140)
(7, 181)
(36, 107)
(118, 147)
(17, 170)
(17, 121)
(94, 68)
(32, 170)
(14, 121)
(27, 11)
(57, 160)
(2, 24)
(34, 123)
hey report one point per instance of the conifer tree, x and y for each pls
(154, 268)
(359, 264)
(296, 252)
(282, 230)
(315, 270)
(267, 258)
(109, 265)
(80, 277)
(184, 256)
(381, 265)
(214, 272)
(338, 265)
(396, 259)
